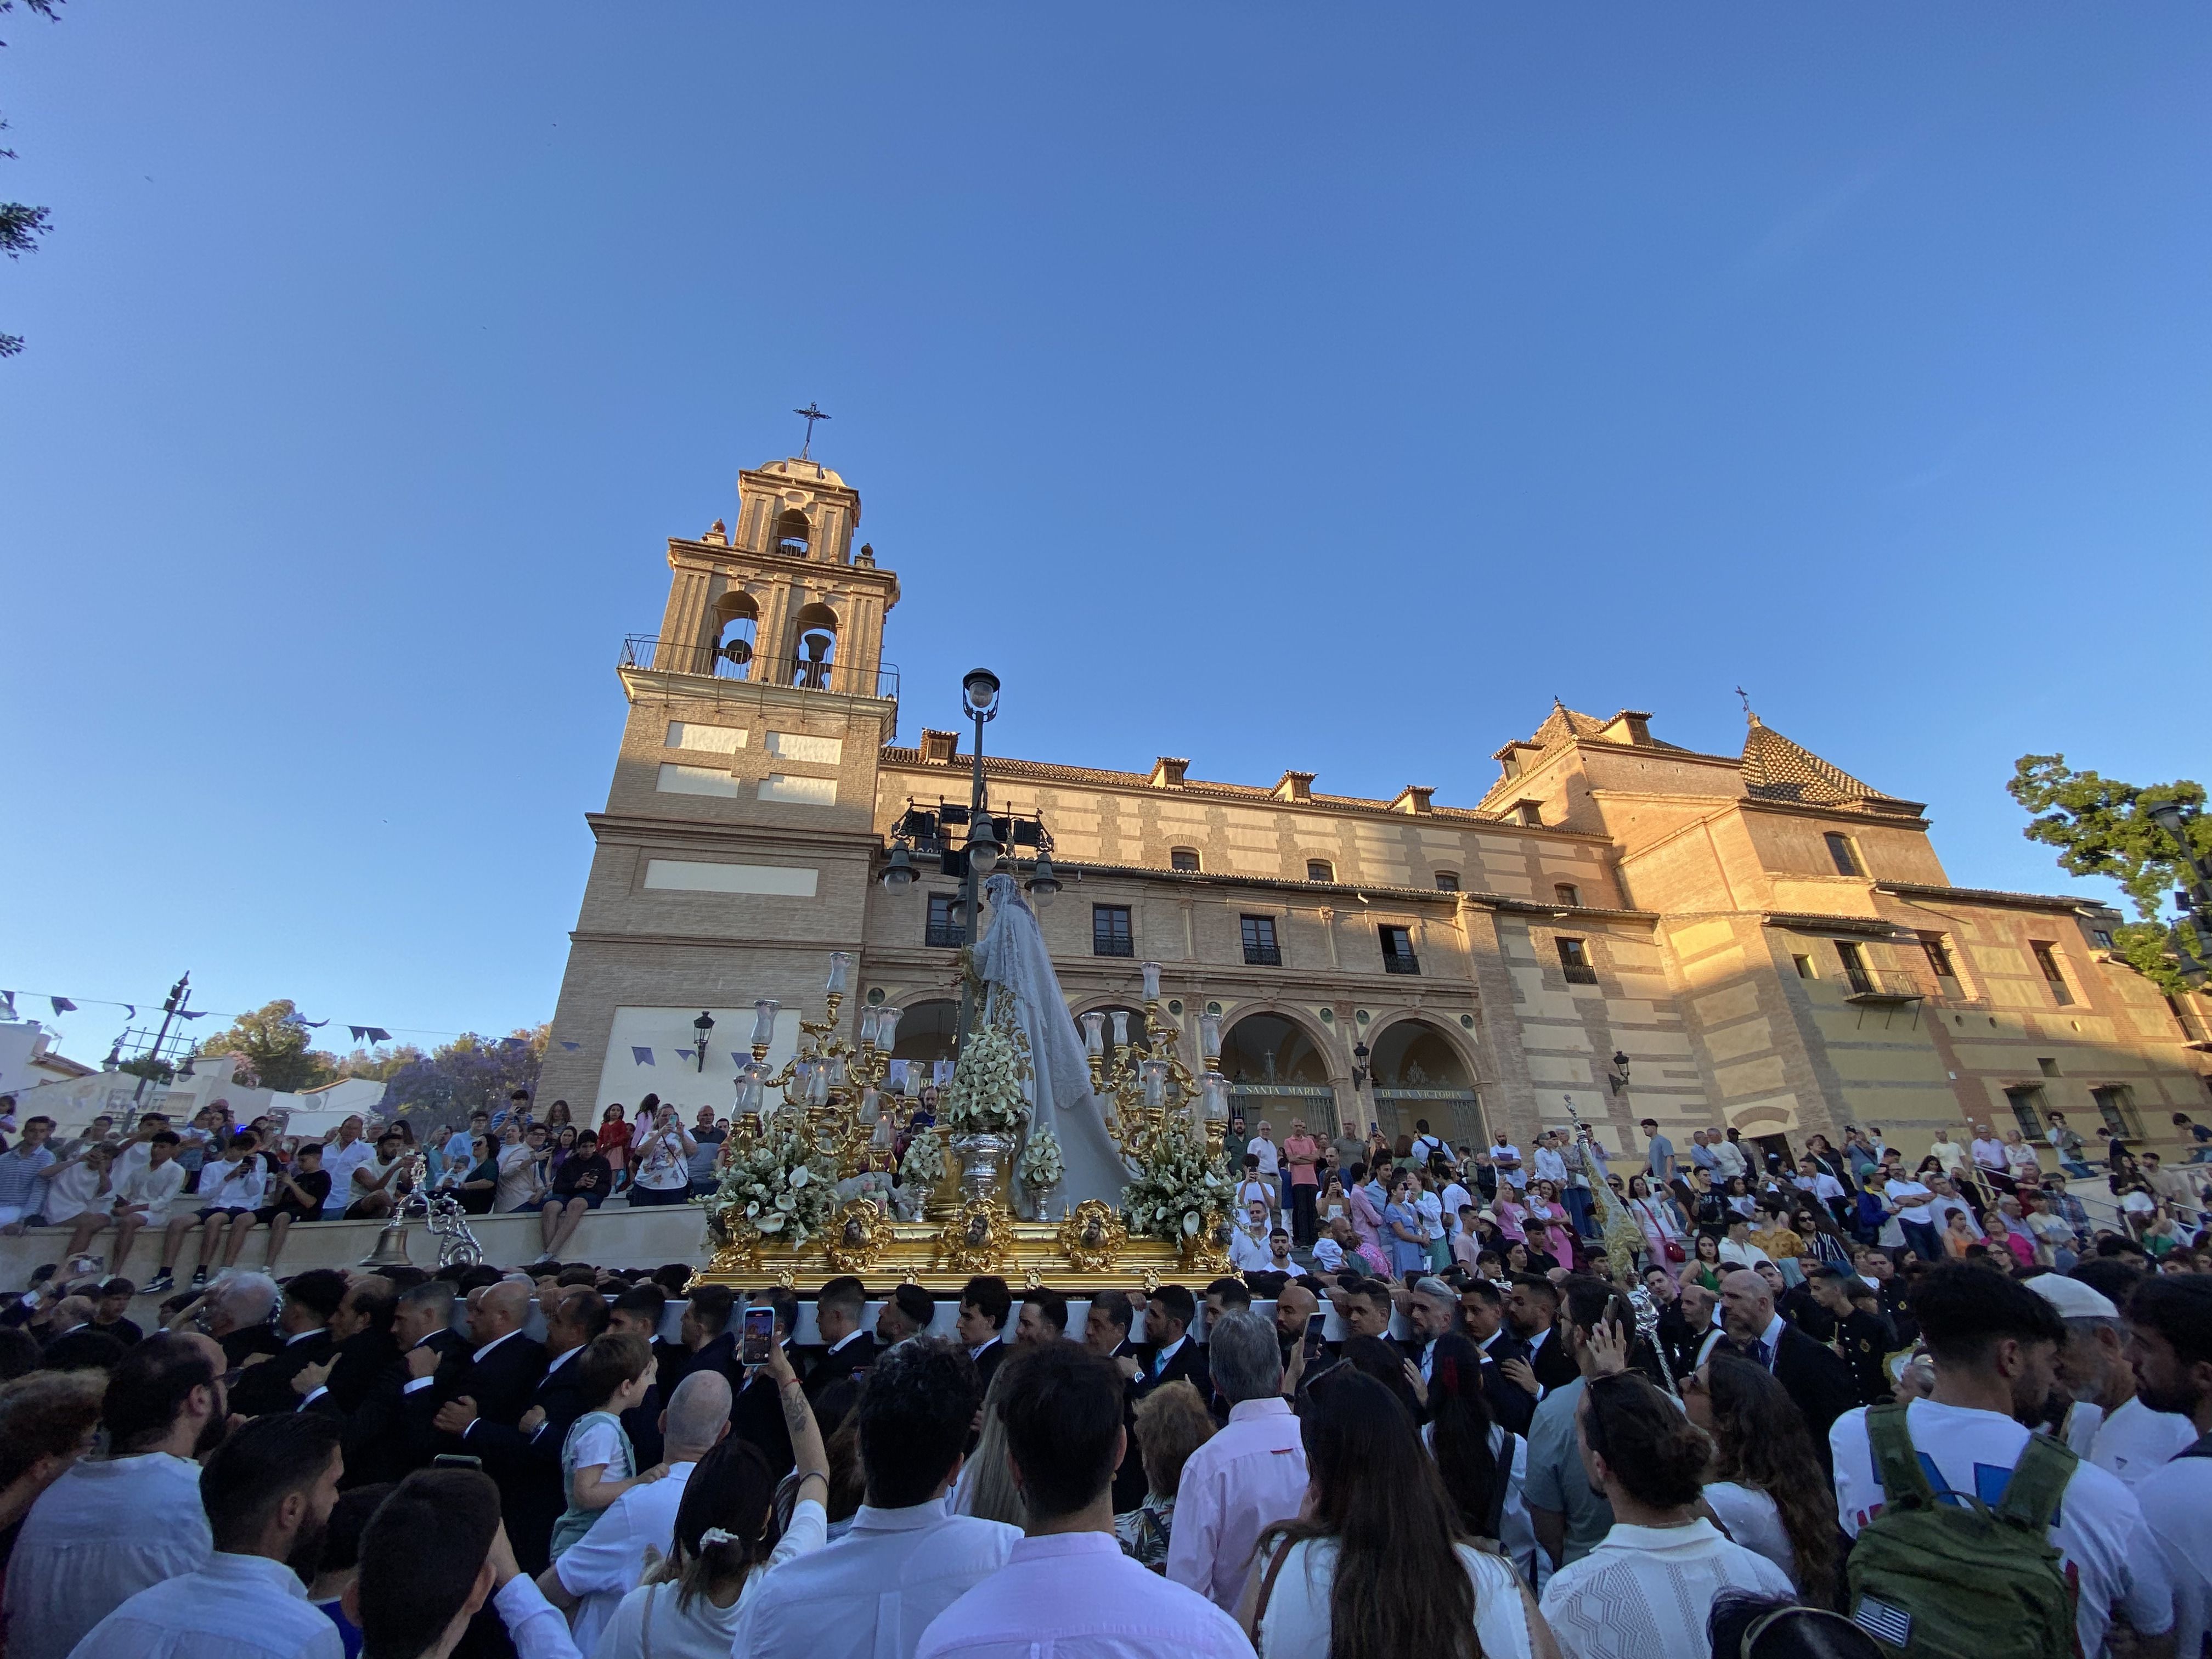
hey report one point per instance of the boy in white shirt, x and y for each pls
(138, 1198)
(231, 1187)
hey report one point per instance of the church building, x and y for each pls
(1756, 940)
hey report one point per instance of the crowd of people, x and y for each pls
(206, 1188)
(1417, 1444)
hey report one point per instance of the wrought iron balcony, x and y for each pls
(1263, 956)
(649, 653)
(1401, 963)
(945, 935)
(1881, 985)
(1579, 973)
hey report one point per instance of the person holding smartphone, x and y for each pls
(582, 1186)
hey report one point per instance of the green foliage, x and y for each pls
(146, 1066)
(271, 1044)
(20, 227)
(2102, 826)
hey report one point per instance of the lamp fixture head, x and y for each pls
(983, 844)
(898, 874)
(2168, 815)
(1044, 885)
(981, 687)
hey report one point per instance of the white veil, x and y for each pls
(1012, 961)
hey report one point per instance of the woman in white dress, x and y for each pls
(1764, 1487)
(1378, 1561)
(726, 1540)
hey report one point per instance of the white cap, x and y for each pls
(2073, 1299)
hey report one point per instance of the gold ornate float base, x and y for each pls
(1090, 1250)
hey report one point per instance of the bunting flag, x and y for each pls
(130, 1011)
(63, 1005)
(193, 1014)
(572, 1046)
(378, 1034)
(7, 1001)
(684, 1053)
(359, 1032)
(640, 1056)
(315, 1024)
(895, 1079)
(940, 1073)
(740, 1060)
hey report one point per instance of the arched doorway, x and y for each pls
(1418, 1073)
(1276, 1070)
(926, 1030)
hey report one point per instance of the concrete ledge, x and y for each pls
(612, 1236)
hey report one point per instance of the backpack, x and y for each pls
(1953, 1578)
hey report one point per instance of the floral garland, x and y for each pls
(924, 1165)
(1177, 1187)
(985, 1095)
(780, 1187)
(1041, 1165)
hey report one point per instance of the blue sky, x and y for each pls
(1274, 386)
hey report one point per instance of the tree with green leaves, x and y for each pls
(2102, 827)
(20, 227)
(271, 1044)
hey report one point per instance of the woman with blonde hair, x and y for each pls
(1172, 1423)
(987, 1489)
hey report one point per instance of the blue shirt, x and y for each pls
(1405, 1254)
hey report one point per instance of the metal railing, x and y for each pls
(945, 935)
(1579, 973)
(1263, 956)
(1112, 945)
(1401, 962)
(1881, 985)
(650, 654)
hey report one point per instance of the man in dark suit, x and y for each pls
(496, 1380)
(1106, 1333)
(1809, 1373)
(1170, 1353)
(1532, 1311)
(303, 1320)
(364, 1349)
(756, 1405)
(837, 1310)
(523, 1456)
(1482, 1321)
(985, 1304)
(75, 1343)
(1432, 1311)
(380, 1441)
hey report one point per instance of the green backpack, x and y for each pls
(1953, 1578)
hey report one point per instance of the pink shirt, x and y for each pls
(1303, 1147)
(1075, 1595)
(1248, 1476)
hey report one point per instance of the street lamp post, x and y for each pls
(2195, 898)
(704, 1025)
(981, 691)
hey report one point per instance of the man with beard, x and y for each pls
(115, 1524)
(2170, 1348)
(268, 1492)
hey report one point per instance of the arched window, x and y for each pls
(817, 647)
(791, 533)
(1182, 858)
(1320, 870)
(736, 617)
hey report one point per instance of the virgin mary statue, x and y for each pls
(1012, 962)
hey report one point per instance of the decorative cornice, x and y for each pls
(2048, 901)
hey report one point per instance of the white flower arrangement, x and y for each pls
(781, 1187)
(924, 1165)
(1041, 1165)
(1175, 1188)
(985, 1095)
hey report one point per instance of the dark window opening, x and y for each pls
(1260, 949)
(2026, 1100)
(945, 929)
(1568, 894)
(2048, 1067)
(1182, 858)
(2104, 939)
(1575, 962)
(791, 534)
(1854, 967)
(1447, 881)
(1939, 956)
(2047, 960)
(2115, 1104)
(1845, 855)
(1320, 870)
(1804, 966)
(1398, 951)
(1110, 935)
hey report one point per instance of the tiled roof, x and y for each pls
(1775, 769)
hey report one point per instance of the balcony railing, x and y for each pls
(945, 935)
(1401, 963)
(1881, 985)
(650, 654)
(1112, 945)
(1579, 973)
(1263, 956)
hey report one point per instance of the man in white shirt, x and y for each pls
(1505, 1158)
(1728, 1160)
(268, 1492)
(1993, 1344)
(1737, 1250)
(141, 1197)
(870, 1594)
(1550, 1165)
(1947, 1203)
(1279, 1255)
(113, 1525)
(521, 1172)
(341, 1157)
(231, 1187)
(2170, 1349)
(1066, 1587)
(1427, 1145)
(1253, 1472)
(1909, 1203)
(1262, 1147)
(591, 1576)
(1248, 1245)
(2108, 1424)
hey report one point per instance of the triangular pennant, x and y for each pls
(7, 1001)
(359, 1032)
(193, 1014)
(63, 1005)
(683, 1054)
(130, 1011)
(640, 1055)
(378, 1034)
(315, 1024)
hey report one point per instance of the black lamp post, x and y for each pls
(704, 1025)
(2194, 900)
(980, 690)
(1618, 1076)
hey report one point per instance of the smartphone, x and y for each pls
(456, 1460)
(1314, 1324)
(760, 1335)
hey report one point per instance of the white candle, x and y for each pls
(765, 1022)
